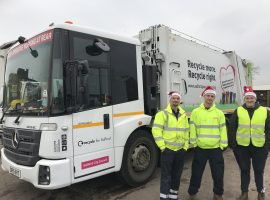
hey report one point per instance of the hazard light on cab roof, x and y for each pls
(68, 22)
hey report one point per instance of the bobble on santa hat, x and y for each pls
(174, 93)
(208, 90)
(249, 91)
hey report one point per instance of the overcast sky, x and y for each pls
(240, 25)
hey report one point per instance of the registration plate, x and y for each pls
(15, 172)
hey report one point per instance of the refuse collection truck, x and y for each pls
(89, 98)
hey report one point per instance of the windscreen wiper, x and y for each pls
(2, 118)
(18, 117)
(16, 120)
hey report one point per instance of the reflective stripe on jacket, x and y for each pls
(169, 132)
(253, 129)
(208, 128)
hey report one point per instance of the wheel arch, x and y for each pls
(123, 130)
(119, 152)
(140, 138)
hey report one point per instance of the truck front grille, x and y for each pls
(21, 145)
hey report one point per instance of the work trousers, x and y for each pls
(216, 161)
(244, 156)
(172, 163)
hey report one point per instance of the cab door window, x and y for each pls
(98, 92)
(124, 72)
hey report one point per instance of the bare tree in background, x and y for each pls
(255, 72)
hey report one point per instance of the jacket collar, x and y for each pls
(169, 109)
(210, 109)
(256, 106)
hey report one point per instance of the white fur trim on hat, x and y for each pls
(209, 92)
(174, 94)
(251, 94)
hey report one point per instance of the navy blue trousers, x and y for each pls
(216, 161)
(172, 163)
(244, 156)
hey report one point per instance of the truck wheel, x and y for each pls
(140, 158)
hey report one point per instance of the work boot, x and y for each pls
(261, 196)
(217, 197)
(243, 196)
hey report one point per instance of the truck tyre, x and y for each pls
(140, 158)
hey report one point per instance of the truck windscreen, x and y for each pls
(27, 76)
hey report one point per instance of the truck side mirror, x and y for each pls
(11, 43)
(100, 44)
(70, 85)
(97, 48)
(34, 53)
(76, 84)
(83, 67)
(82, 82)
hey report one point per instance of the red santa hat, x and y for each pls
(208, 90)
(249, 91)
(174, 93)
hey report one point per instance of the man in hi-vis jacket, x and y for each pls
(249, 132)
(171, 133)
(209, 137)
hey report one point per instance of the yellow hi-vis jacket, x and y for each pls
(208, 128)
(253, 129)
(169, 132)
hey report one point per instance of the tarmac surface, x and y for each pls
(110, 188)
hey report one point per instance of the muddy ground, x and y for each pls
(110, 188)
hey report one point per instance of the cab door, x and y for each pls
(92, 120)
(93, 128)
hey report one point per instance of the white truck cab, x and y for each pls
(71, 109)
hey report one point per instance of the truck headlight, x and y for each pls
(44, 175)
(48, 127)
